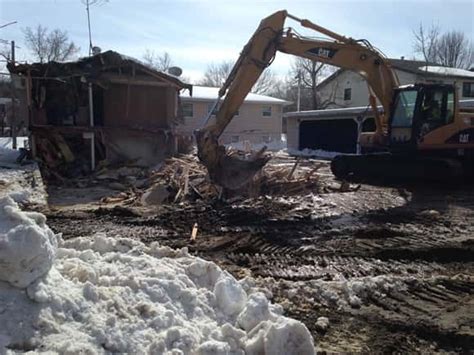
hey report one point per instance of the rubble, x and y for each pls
(184, 178)
(322, 324)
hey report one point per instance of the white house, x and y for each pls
(337, 128)
(259, 119)
(346, 88)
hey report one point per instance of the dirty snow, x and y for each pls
(118, 295)
(274, 145)
(7, 142)
(21, 182)
(320, 153)
(353, 293)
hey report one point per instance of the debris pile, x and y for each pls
(184, 178)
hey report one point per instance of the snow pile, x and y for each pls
(270, 146)
(21, 182)
(354, 292)
(7, 153)
(447, 71)
(27, 245)
(7, 142)
(118, 295)
(313, 153)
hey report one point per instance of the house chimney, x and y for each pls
(402, 57)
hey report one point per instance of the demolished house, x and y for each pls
(107, 107)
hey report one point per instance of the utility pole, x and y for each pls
(13, 118)
(89, 26)
(298, 100)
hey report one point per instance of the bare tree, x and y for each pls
(49, 46)
(310, 74)
(455, 50)
(452, 49)
(216, 75)
(426, 42)
(5, 52)
(161, 62)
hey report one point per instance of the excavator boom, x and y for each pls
(233, 172)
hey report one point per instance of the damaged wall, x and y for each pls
(134, 109)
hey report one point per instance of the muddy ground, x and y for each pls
(405, 252)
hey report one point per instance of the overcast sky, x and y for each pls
(196, 33)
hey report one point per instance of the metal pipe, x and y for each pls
(91, 106)
(359, 120)
(210, 113)
(298, 100)
(91, 122)
(13, 123)
(313, 26)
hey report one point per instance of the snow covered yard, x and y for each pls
(103, 295)
(117, 295)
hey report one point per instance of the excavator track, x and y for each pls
(389, 167)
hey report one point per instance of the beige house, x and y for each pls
(346, 88)
(259, 119)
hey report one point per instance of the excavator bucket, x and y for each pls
(231, 171)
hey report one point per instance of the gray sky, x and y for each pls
(197, 33)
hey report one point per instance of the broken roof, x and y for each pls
(92, 67)
(206, 93)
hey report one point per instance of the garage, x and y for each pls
(331, 135)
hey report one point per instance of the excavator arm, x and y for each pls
(233, 172)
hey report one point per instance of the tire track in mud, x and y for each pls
(430, 255)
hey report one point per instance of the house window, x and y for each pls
(347, 94)
(266, 111)
(266, 139)
(234, 139)
(468, 89)
(188, 110)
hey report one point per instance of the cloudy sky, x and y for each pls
(196, 33)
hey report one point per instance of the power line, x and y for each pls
(8, 24)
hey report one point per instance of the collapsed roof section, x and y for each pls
(92, 67)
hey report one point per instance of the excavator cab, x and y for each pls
(418, 110)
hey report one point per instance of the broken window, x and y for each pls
(266, 139)
(188, 110)
(266, 111)
(347, 94)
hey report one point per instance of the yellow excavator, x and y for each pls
(422, 132)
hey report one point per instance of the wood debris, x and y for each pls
(184, 178)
